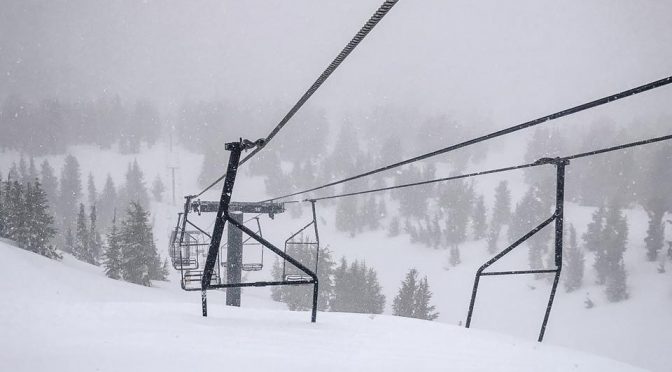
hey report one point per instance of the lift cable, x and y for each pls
(499, 170)
(515, 128)
(370, 24)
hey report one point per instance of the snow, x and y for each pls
(66, 316)
(636, 331)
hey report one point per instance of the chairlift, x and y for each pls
(294, 277)
(254, 266)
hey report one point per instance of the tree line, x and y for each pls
(50, 126)
(349, 287)
(32, 215)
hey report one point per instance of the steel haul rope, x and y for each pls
(515, 128)
(365, 30)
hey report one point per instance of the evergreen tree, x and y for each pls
(593, 241)
(39, 223)
(95, 242)
(135, 190)
(140, 259)
(394, 228)
(374, 300)
(530, 212)
(347, 216)
(157, 189)
(32, 171)
(478, 218)
(23, 171)
(356, 289)
(113, 260)
(49, 182)
(70, 191)
(615, 236)
(69, 242)
(412, 300)
(3, 211)
(107, 202)
(91, 188)
(423, 310)
(16, 217)
(301, 297)
(493, 237)
(574, 263)
(82, 248)
(501, 212)
(592, 238)
(404, 303)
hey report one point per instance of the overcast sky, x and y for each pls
(504, 60)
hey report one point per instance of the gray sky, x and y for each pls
(504, 60)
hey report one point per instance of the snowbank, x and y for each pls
(66, 316)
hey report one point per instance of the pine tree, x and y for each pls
(91, 188)
(346, 215)
(356, 289)
(493, 237)
(479, 222)
(157, 189)
(501, 212)
(82, 248)
(529, 213)
(404, 303)
(423, 310)
(16, 213)
(113, 260)
(301, 297)
(3, 212)
(107, 202)
(69, 242)
(135, 190)
(374, 299)
(615, 236)
(394, 228)
(140, 261)
(49, 182)
(412, 300)
(32, 171)
(574, 263)
(95, 242)
(70, 191)
(592, 238)
(39, 223)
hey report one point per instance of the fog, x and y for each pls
(501, 61)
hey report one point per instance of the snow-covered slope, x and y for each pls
(66, 316)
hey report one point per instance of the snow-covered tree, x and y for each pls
(413, 298)
(478, 218)
(82, 248)
(113, 261)
(49, 183)
(95, 242)
(574, 263)
(140, 260)
(356, 289)
(91, 189)
(70, 191)
(157, 189)
(39, 223)
(615, 237)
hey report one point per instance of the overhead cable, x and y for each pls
(515, 128)
(370, 24)
(499, 170)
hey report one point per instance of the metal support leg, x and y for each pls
(559, 220)
(558, 217)
(220, 221)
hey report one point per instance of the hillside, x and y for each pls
(66, 316)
